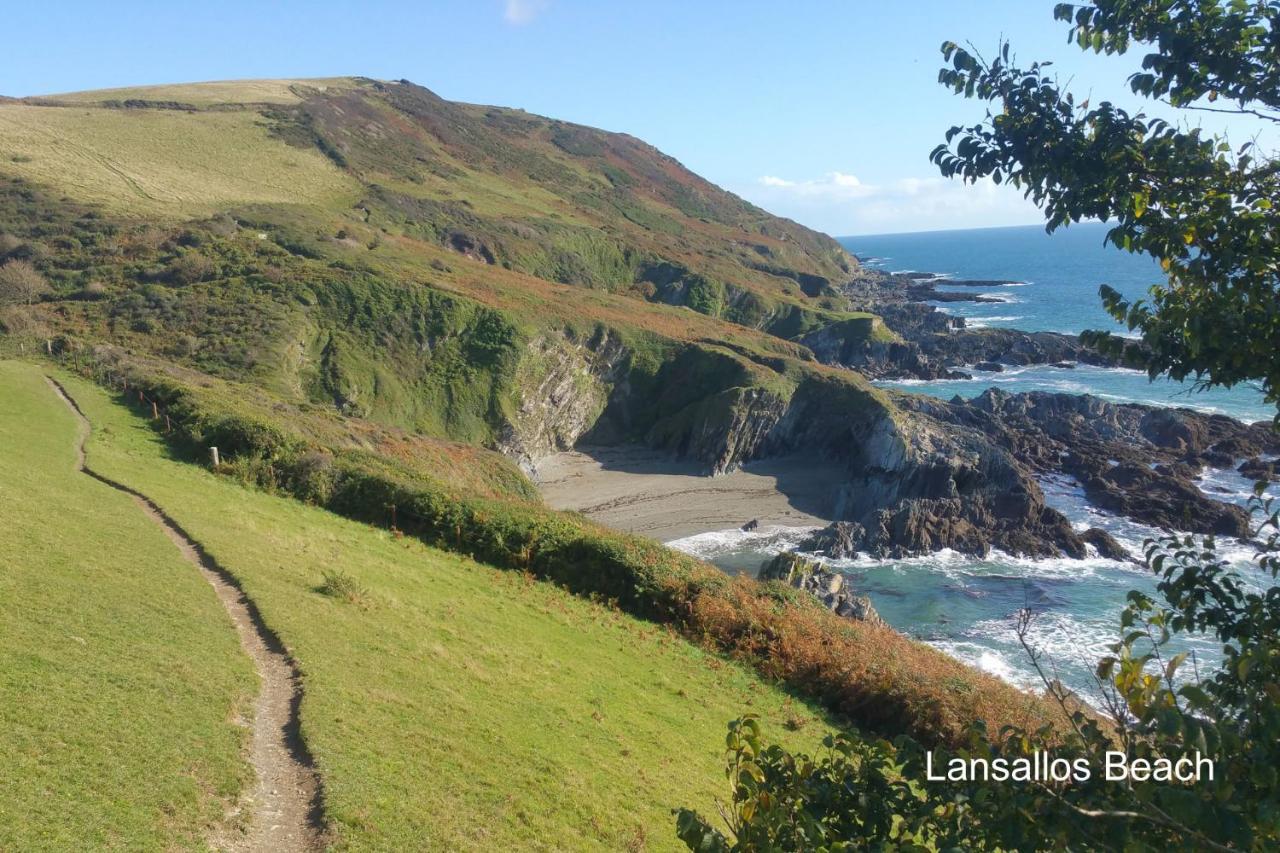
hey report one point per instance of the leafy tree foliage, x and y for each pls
(1208, 211)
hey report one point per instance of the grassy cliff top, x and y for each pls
(207, 94)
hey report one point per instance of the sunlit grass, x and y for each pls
(120, 673)
(451, 705)
(163, 162)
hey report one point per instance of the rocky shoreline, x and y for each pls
(901, 474)
(1132, 460)
(933, 344)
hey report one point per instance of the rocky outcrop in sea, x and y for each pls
(830, 588)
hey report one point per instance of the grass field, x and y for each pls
(120, 675)
(207, 94)
(451, 705)
(163, 163)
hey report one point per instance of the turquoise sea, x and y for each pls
(1057, 278)
(967, 606)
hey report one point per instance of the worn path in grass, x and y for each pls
(450, 705)
(285, 807)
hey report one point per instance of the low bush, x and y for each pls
(340, 585)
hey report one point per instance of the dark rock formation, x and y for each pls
(935, 343)
(1260, 469)
(1105, 544)
(1018, 523)
(831, 588)
(1134, 460)
(1141, 493)
(989, 366)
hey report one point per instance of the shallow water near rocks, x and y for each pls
(1055, 289)
(967, 606)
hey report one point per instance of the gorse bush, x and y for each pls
(338, 584)
(21, 283)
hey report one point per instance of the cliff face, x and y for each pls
(913, 483)
(563, 385)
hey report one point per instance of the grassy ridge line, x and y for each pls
(875, 676)
(120, 675)
(203, 94)
(451, 705)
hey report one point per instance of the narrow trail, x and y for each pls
(284, 809)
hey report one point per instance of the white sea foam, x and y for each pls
(1228, 484)
(982, 322)
(767, 541)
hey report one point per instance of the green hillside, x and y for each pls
(121, 681)
(166, 163)
(383, 308)
(444, 699)
(422, 264)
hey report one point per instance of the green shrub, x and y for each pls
(342, 586)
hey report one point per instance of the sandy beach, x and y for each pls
(642, 491)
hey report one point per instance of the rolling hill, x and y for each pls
(384, 308)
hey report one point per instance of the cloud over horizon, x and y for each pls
(839, 203)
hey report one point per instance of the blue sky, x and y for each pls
(824, 112)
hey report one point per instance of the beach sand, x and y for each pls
(642, 491)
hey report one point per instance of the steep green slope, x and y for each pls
(407, 334)
(121, 679)
(453, 706)
(552, 199)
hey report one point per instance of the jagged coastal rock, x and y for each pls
(1134, 460)
(933, 344)
(831, 588)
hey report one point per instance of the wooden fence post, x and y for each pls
(213, 452)
(155, 411)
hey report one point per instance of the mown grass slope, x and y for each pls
(453, 706)
(164, 163)
(120, 673)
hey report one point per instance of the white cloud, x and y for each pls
(831, 185)
(840, 203)
(521, 12)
